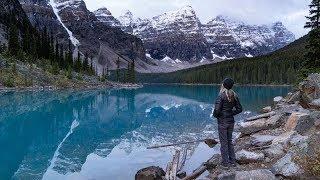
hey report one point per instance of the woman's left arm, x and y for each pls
(217, 107)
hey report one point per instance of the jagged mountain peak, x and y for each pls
(61, 4)
(127, 18)
(223, 19)
(105, 16)
(186, 12)
(102, 11)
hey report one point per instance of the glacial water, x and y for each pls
(103, 134)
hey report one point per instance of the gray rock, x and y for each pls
(286, 167)
(274, 151)
(294, 97)
(300, 122)
(316, 116)
(150, 173)
(284, 139)
(316, 102)
(246, 157)
(258, 174)
(262, 140)
(266, 109)
(310, 90)
(300, 142)
(278, 99)
(213, 162)
(250, 127)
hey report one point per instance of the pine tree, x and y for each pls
(118, 69)
(91, 68)
(14, 45)
(69, 57)
(132, 74)
(128, 80)
(314, 18)
(78, 64)
(63, 64)
(85, 65)
(312, 57)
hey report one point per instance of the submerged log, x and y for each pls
(266, 115)
(183, 159)
(210, 142)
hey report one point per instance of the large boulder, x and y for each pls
(286, 167)
(246, 157)
(284, 138)
(310, 91)
(262, 140)
(247, 128)
(150, 173)
(258, 174)
(299, 122)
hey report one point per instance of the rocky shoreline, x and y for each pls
(281, 143)
(109, 85)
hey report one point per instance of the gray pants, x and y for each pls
(227, 149)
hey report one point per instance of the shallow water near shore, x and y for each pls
(103, 134)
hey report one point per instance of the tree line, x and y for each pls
(42, 45)
(311, 61)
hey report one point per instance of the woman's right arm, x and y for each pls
(238, 107)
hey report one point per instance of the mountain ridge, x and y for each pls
(222, 37)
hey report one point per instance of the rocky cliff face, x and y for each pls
(180, 35)
(71, 20)
(11, 8)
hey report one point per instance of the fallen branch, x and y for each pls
(266, 115)
(196, 173)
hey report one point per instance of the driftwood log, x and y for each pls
(172, 167)
(266, 115)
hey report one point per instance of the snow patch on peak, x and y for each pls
(248, 55)
(224, 57)
(167, 59)
(55, 9)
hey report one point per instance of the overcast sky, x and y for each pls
(291, 12)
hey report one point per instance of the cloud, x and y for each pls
(291, 12)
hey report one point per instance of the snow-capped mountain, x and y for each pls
(180, 35)
(71, 21)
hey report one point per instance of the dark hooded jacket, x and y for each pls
(225, 110)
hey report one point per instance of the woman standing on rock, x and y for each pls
(227, 105)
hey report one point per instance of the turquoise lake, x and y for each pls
(103, 134)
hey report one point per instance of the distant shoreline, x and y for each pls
(237, 85)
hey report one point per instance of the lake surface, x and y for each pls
(103, 134)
